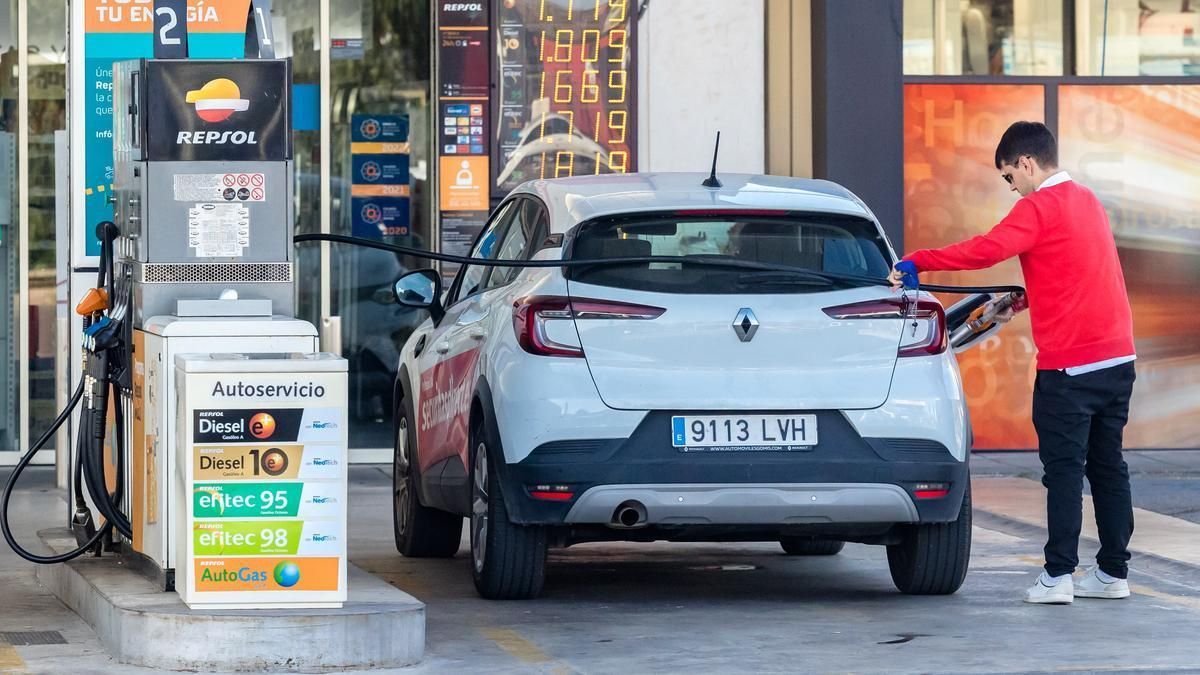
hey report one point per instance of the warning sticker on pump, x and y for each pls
(219, 230)
(215, 187)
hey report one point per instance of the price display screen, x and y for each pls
(566, 91)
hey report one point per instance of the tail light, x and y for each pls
(931, 490)
(925, 326)
(551, 493)
(533, 315)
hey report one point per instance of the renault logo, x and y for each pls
(745, 324)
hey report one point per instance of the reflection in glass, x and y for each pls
(1137, 148)
(380, 56)
(1138, 37)
(983, 37)
(47, 115)
(9, 381)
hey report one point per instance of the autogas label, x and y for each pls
(260, 500)
(267, 574)
(267, 537)
(266, 462)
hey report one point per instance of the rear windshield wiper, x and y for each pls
(791, 278)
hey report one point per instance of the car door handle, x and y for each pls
(420, 346)
(477, 333)
(442, 347)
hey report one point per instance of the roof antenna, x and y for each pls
(711, 181)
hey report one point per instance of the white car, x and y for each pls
(702, 398)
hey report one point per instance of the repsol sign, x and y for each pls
(463, 7)
(200, 110)
(216, 137)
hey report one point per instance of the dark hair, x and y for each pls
(1027, 138)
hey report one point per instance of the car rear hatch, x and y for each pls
(690, 337)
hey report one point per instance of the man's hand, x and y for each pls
(1005, 316)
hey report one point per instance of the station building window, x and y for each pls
(983, 37)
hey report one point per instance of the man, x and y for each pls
(1083, 329)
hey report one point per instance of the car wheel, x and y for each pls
(508, 561)
(810, 546)
(421, 532)
(932, 558)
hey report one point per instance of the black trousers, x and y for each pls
(1080, 421)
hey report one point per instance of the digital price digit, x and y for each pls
(574, 92)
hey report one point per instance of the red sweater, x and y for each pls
(1077, 299)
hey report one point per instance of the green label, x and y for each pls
(246, 500)
(264, 537)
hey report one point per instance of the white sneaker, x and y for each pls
(1041, 593)
(1092, 586)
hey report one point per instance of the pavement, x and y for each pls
(716, 608)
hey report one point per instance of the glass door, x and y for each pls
(379, 94)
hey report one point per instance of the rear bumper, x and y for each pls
(846, 479)
(749, 504)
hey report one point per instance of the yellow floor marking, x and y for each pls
(522, 649)
(1193, 603)
(10, 660)
(512, 642)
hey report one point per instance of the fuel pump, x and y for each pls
(199, 261)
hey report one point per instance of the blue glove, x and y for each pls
(908, 272)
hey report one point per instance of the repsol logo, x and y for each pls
(463, 7)
(216, 138)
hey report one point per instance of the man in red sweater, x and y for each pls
(1083, 329)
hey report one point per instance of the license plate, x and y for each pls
(744, 432)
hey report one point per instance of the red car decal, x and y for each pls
(443, 413)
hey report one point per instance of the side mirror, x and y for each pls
(421, 289)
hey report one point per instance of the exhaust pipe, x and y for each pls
(629, 514)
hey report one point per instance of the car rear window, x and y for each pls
(828, 243)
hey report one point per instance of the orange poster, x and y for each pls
(952, 191)
(137, 16)
(464, 180)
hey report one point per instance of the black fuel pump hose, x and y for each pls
(89, 466)
(16, 475)
(716, 261)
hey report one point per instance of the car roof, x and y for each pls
(574, 200)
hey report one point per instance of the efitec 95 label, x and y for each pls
(259, 500)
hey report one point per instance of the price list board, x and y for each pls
(463, 93)
(265, 483)
(566, 85)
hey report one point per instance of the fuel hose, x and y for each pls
(710, 260)
(103, 354)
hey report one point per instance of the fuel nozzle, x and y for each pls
(93, 302)
(985, 316)
(82, 525)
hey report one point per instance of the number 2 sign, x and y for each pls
(170, 29)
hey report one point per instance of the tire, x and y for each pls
(421, 532)
(810, 546)
(508, 561)
(932, 558)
